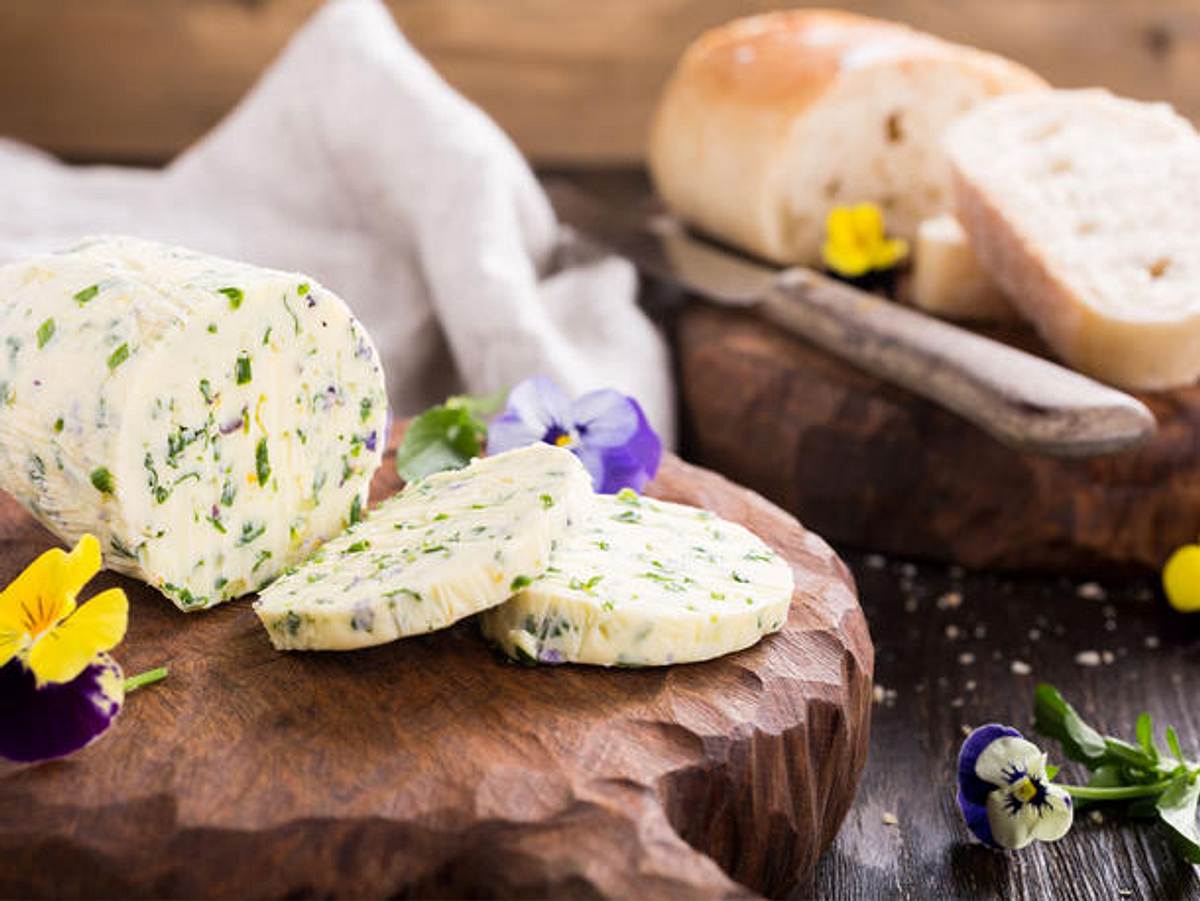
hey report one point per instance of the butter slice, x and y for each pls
(646, 583)
(448, 546)
(947, 278)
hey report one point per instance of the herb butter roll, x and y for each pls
(644, 582)
(212, 421)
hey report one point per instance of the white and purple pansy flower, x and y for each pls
(607, 430)
(1005, 793)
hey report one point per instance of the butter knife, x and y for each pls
(1025, 401)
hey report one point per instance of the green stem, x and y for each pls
(133, 683)
(1123, 793)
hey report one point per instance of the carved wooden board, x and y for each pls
(872, 466)
(433, 767)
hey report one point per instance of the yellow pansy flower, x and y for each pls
(1181, 578)
(41, 624)
(855, 241)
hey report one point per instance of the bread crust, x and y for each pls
(729, 118)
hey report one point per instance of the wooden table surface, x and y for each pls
(941, 668)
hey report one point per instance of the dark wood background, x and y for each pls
(573, 81)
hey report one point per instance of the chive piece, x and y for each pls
(212, 328)
(118, 356)
(102, 480)
(242, 370)
(58, 424)
(262, 462)
(45, 332)
(235, 296)
(358, 546)
(547, 501)
(206, 391)
(520, 582)
(302, 288)
(356, 512)
(251, 531)
(364, 409)
(84, 295)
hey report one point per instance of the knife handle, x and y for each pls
(1023, 400)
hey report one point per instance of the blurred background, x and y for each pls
(573, 81)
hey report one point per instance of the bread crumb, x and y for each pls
(1091, 591)
(1020, 668)
(889, 819)
(1088, 658)
(910, 604)
(950, 600)
(1107, 657)
(884, 696)
(1096, 817)
(970, 685)
(952, 631)
(875, 561)
(908, 570)
(966, 730)
(1151, 641)
(1035, 634)
(957, 702)
(955, 572)
(966, 658)
(981, 631)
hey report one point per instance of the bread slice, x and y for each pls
(1085, 208)
(770, 121)
(947, 279)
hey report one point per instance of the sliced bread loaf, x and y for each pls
(1085, 208)
(770, 121)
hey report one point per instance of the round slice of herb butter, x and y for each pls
(646, 583)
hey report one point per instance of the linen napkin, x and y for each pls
(351, 160)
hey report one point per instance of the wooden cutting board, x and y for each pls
(434, 767)
(874, 467)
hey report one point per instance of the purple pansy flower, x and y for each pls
(58, 718)
(607, 430)
(1004, 793)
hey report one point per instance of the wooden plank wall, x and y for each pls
(573, 81)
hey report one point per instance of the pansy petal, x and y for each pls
(41, 724)
(628, 465)
(1010, 829)
(67, 649)
(977, 818)
(604, 418)
(1055, 816)
(1000, 759)
(971, 786)
(535, 408)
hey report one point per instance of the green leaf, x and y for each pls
(235, 296)
(1173, 744)
(480, 407)
(241, 370)
(1177, 812)
(443, 437)
(1055, 718)
(1145, 736)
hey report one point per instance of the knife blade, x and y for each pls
(1023, 400)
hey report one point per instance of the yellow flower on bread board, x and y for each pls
(59, 689)
(856, 243)
(1181, 578)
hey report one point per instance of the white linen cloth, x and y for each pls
(352, 161)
